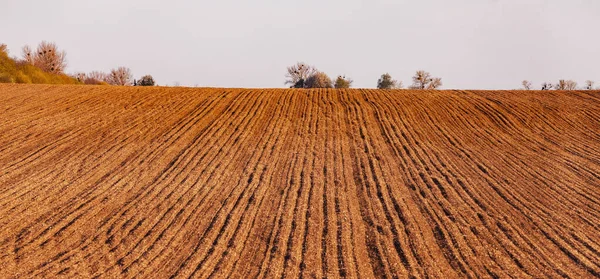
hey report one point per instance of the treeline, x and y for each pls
(301, 75)
(560, 85)
(46, 65)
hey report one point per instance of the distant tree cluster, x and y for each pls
(422, 80)
(560, 85)
(14, 70)
(48, 59)
(301, 75)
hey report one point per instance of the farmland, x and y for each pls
(290, 183)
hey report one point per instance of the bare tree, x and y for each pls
(526, 84)
(120, 76)
(566, 85)
(434, 83)
(386, 82)
(28, 54)
(343, 82)
(318, 80)
(297, 74)
(547, 86)
(571, 85)
(92, 78)
(589, 85)
(46, 57)
(420, 79)
(96, 77)
(423, 80)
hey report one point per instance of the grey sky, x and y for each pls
(469, 43)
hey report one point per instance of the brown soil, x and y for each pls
(214, 183)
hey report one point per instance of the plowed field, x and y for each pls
(100, 182)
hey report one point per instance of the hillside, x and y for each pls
(12, 71)
(214, 183)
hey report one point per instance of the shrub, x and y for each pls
(6, 78)
(386, 82)
(318, 80)
(146, 80)
(22, 78)
(342, 82)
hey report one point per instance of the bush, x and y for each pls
(22, 78)
(146, 80)
(342, 82)
(386, 82)
(318, 80)
(6, 78)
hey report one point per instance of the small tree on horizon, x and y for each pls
(120, 76)
(424, 80)
(343, 82)
(434, 83)
(297, 74)
(386, 82)
(566, 85)
(589, 85)
(547, 86)
(526, 84)
(146, 80)
(318, 80)
(46, 57)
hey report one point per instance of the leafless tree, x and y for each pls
(420, 79)
(386, 82)
(526, 84)
(120, 76)
(589, 85)
(423, 80)
(297, 74)
(434, 83)
(571, 85)
(46, 57)
(28, 54)
(318, 80)
(566, 85)
(96, 77)
(547, 86)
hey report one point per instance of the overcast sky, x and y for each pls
(487, 44)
